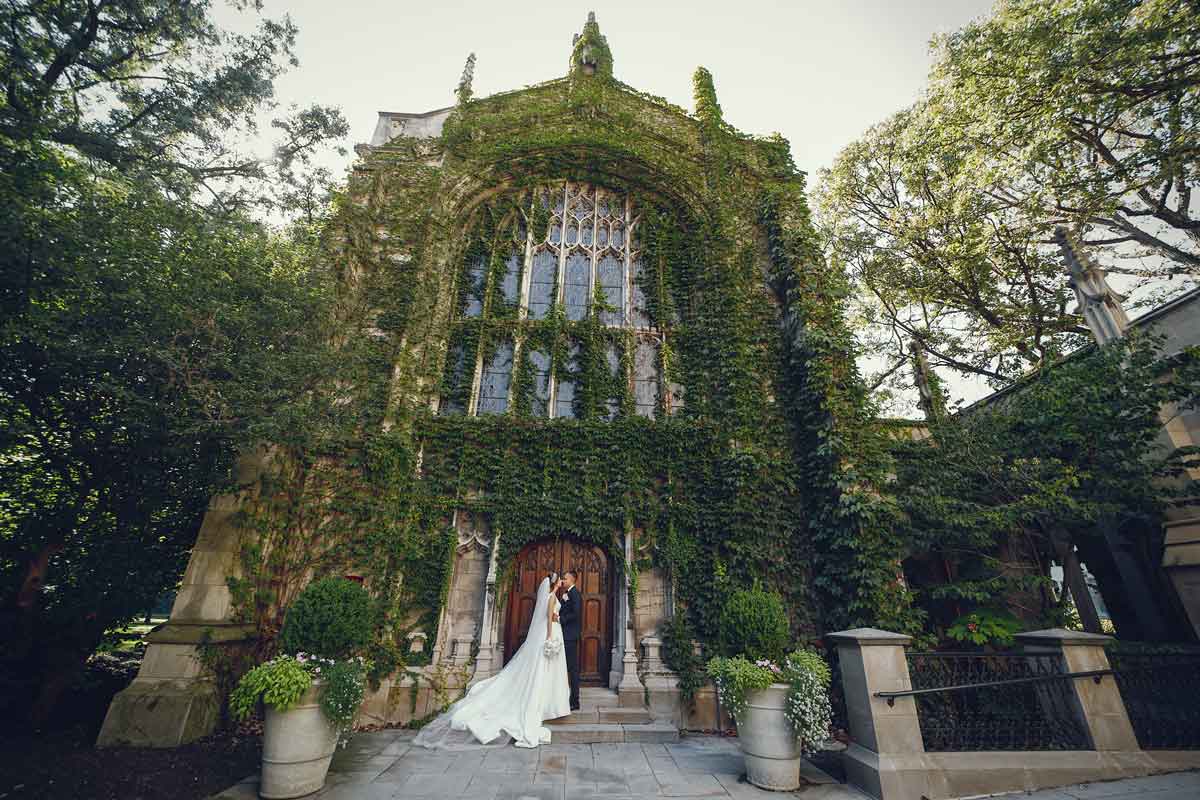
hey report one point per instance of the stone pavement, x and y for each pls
(383, 765)
(1176, 786)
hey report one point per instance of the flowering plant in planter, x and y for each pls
(808, 708)
(324, 631)
(282, 681)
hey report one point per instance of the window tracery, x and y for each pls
(587, 263)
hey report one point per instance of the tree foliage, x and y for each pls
(144, 338)
(1089, 111)
(941, 264)
(1074, 113)
(991, 489)
(157, 89)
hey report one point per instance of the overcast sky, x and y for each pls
(819, 72)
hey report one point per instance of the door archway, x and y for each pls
(595, 582)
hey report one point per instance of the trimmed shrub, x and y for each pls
(754, 624)
(332, 618)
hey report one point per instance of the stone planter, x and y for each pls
(768, 743)
(298, 745)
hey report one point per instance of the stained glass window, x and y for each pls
(493, 388)
(452, 400)
(645, 378)
(477, 275)
(588, 254)
(564, 399)
(539, 401)
(510, 287)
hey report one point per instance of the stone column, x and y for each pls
(886, 756)
(487, 663)
(173, 699)
(620, 614)
(629, 688)
(1101, 710)
(1181, 561)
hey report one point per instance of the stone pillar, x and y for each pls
(488, 662)
(629, 688)
(620, 615)
(173, 699)
(886, 757)
(1181, 562)
(662, 685)
(1101, 710)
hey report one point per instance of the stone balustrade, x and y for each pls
(887, 758)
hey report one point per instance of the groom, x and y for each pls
(568, 615)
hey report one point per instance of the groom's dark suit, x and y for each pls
(568, 615)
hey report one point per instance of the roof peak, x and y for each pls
(590, 54)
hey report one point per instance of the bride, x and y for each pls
(532, 688)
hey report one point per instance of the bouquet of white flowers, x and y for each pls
(552, 647)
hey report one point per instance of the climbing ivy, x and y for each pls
(766, 472)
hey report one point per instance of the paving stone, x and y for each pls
(397, 748)
(365, 769)
(814, 775)
(642, 784)
(616, 751)
(595, 774)
(486, 785)
(410, 765)
(357, 791)
(718, 762)
(425, 785)
(575, 752)
(1135, 787)
(692, 786)
(532, 793)
(662, 764)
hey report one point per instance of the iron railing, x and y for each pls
(993, 701)
(1161, 692)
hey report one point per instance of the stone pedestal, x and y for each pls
(885, 737)
(1181, 561)
(662, 685)
(1099, 704)
(173, 699)
(630, 691)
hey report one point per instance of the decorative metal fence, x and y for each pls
(985, 701)
(1161, 692)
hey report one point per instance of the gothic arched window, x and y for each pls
(587, 262)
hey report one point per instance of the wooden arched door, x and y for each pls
(537, 560)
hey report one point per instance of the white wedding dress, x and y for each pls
(532, 687)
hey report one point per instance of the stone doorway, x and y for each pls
(595, 583)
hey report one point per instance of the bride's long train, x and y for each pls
(513, 704)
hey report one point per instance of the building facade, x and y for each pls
(583, 329)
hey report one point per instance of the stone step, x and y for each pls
(599, 733)
(625, 716)
(612, 716)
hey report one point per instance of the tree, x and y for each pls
(155, 88)
(1090, 111)
(941, 266)
(149, 327)
(991, 488)
(144, 347)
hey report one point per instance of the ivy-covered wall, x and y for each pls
(767, 470)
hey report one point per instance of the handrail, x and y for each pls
(1094, 674)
